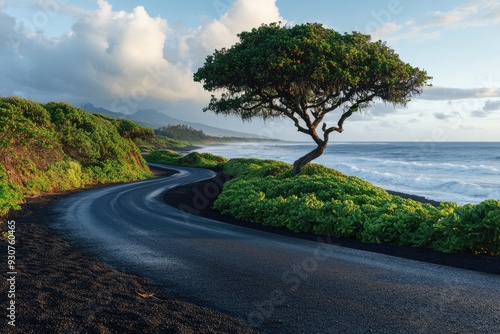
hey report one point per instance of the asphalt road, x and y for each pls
(275, 284)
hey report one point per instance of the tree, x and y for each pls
(305, 72)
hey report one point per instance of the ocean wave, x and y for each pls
(423, 166)
(428, 186)
(495, 194)
(466, 188)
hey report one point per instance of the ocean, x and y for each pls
(467, 172)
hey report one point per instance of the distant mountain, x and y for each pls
(154, 119)
(88, 107)
(218, 132)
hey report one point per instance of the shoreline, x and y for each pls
(416, 198)
(454, 190)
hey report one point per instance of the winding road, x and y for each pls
(275, 284)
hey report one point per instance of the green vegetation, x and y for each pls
(184, 133)
(324, 201)
(173, 137)
(193, 159)
(161, 143)
(170, 137)
(55, 146)
(129, 129)
(304, 72)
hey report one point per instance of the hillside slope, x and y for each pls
(55, 146)
(154, 119)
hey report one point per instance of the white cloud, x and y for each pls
(488, 109)
(243, 15)
(382, 109)
(118, 57)
(446, 116)
(386, 30)
(473, 14)
(446, 93)
(479, 113)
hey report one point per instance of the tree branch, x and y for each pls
(339, 128)
(296, 121)
(342, 119)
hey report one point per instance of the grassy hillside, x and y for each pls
(55, 146)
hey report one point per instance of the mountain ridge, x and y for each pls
(154, 119)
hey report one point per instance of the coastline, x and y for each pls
(417, 198)
(455, 172)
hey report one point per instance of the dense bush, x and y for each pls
(10, 195)
(160, 143)
(324, 201)
(196, 159)
(167, 157)
(183, 132)
(470, 227)
(129, 129)
(193, 159)
(55, 146)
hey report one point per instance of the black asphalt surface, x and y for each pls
(275, 284)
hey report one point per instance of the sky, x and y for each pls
(130, 55)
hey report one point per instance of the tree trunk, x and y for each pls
(301, 162)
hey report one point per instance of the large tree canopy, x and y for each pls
(303, 73)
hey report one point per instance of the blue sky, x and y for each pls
(129, 55)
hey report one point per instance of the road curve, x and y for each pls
(275, 284)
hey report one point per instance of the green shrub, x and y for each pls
(160, 143)
(470, 228)
(183, 132)
(327, 202)
(164, 157)
(129, 129)
(55, 146)
(196, 159)
(10, 197)
(193, 159)
(245, 168)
